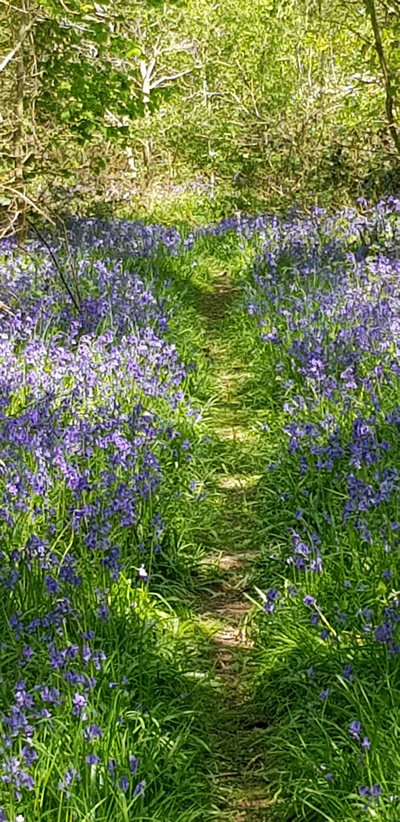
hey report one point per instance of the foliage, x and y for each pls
(87, 73)
(279, 101)
(288, 100)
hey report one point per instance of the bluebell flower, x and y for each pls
(139, 789)
(92, 731)
(133, 763)
(123, 783)
(92, 759)
(354, 729)
(111, 766)
(347, 673)
(375, 791)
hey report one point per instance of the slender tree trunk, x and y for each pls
(146, 70)
(19, 127)
(389, 91)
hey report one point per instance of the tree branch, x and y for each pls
(165, 79)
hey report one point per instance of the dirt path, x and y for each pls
(237, 737)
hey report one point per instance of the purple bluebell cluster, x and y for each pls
(242, 226)
(90, 395)
(80, 393)
(123, 238)
(326, 301)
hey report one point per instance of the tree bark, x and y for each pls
(19, 128)
(371, 10)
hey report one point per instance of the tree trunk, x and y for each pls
(19, 128)
(146, 71)
(389, 91)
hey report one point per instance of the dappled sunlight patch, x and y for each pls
(239, 483)
(232, 637)
(234, 433)
(229, 562)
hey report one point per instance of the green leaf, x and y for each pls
(135, 51)
(101, 33)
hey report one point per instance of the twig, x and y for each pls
(58, 267)
(29, 201)
(70, 258)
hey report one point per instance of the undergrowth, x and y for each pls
(117, 393)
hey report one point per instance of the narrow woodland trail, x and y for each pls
(237, 735)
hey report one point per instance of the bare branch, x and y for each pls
(28, 200)
(169, 79)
